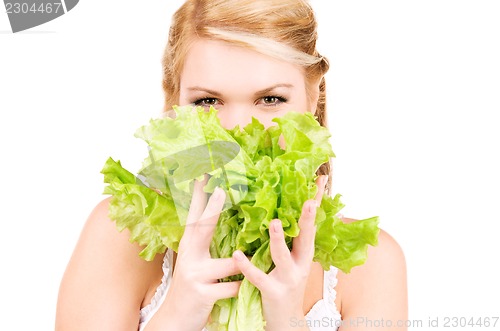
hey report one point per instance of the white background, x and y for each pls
(414, 98)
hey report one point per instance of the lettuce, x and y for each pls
(262, 182)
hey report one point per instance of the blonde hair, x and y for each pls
(284, 29)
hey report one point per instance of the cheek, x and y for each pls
(182, 99)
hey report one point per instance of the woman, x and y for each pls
(247, 58)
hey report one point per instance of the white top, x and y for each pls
(323, 316)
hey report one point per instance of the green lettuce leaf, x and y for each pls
(262, 182)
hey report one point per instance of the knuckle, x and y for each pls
(198, 291)
(230, 289)
(302, 277)
(275, 293)
(280, 257)
(259, 278)
(183, 244)
(191, 274)
(213, 210)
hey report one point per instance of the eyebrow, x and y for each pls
(269, 89)
(202, 89)
(261, 92)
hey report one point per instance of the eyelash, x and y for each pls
(280, 99)
(277, 97)
(198, 102)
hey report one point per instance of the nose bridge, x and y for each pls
(235, 114)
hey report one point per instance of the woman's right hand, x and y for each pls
(194, 287)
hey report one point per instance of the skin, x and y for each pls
(107, 280)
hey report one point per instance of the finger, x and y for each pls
(254, 275)
(321, 183)
(196, 207)
(205, 226)
(303, 244)
(198, 201)
(279, 250)
(223, 267)
(223, 290)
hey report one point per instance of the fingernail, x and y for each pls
(217, 194)
(202, 180)
(238, 255)
(312, 206)
(277, 226)
(324, 180)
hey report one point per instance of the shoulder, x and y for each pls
(387, 254)
(100, 240)
(105, 278)
(378, 287)
(387, 248)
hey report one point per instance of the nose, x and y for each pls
(235, 114)
(241, 114)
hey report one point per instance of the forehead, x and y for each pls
(221, 66)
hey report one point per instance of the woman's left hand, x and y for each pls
(282, 290)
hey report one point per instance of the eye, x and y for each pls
(272, 100)
(207, 102)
